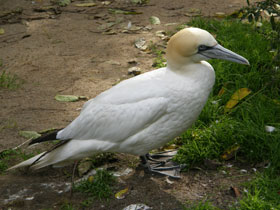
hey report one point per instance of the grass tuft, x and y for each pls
(9, 81)
(99, 187)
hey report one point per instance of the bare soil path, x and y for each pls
(84, 51)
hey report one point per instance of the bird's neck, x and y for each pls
(200, 73)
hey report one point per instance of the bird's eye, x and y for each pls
(202, 48)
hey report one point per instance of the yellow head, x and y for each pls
(192, 45)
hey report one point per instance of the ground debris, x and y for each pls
(212, 164)
(86, 5)
(122, 193)
(235, 191)
(138, 206)
(154, 20)
(134, 71)
(29, 134)
(69, 98)
(141, 44)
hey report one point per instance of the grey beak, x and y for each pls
(219, 52)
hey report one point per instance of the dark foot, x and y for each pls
(162, 163)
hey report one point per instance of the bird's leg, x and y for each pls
(72, 178)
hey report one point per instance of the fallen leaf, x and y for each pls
(134, 71)
(192, 14)
(2, 31)
(236, 98)
(276, 101)
(141, 44)
(194, 10)
(66, 98)
(236, 192)
(124, 12)
(84, 166)
(154, 20)
(90, 179)
(29, 134)
(105, 3)
(230, 153)
(170, 147)
(220, 14)
(221, 92)
(63, 3)
(237, 14)
(121, 194)
(86, 5)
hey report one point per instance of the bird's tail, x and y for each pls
(44, 159)
(49, 136)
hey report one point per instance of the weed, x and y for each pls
(9, 155)
(202, 206)
(100, 187)
(66, 206)
(159, 60)
(9, 81)
(101, 158)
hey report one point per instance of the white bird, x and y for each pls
(144, 112)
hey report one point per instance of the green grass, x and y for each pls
(159, 60)
(245, 125)
(10, 155)
(99, 187)
(215, 131)
(202, 206)
(9, 81)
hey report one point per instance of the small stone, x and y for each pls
(134, 71)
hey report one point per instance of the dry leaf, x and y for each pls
(29, 134)
(2, 31)
(85, 5)
(236, 97)
(90, 179)
(121, 194)
(221, 92)
(230, 153)
(236, 192)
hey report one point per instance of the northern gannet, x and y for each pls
(144, 112)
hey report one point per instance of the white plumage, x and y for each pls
(147, 111)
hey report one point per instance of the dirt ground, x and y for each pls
(84, 51)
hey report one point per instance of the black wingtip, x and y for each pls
(50, 136)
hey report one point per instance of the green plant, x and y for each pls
(9, 81)
(202, 206)
(266, 10)
(159, 60)
(99, 187)
(216, 130)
